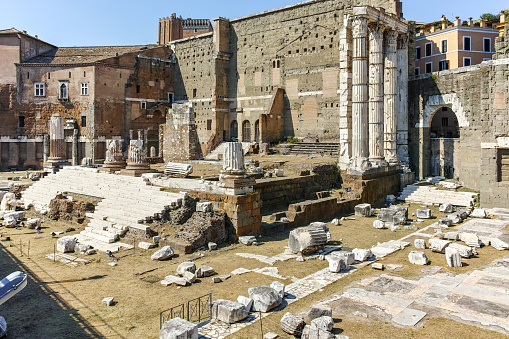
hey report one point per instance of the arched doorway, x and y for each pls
(257, 131)
(444, 142)
(246, 131)
(234, 130)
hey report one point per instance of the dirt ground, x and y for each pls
(65, 302)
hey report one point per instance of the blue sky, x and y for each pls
(110, 22)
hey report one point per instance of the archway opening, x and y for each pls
(444, 143)
(257, 131)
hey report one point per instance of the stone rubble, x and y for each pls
(247, 302)
(417, 258)
(308, 239)
(336, 264)
(438, 245)
(163, 254)
(228, 311)
(453, 257)
(177, 328)
(318, 311)
(423, 213)
(187, 266)
(292, 324)
(265, 298)
(247, 240)
(363, 210)
(362, 254)
(499, 244)
(420, 243)
(378, 224)
(446, 208)
(66, 244)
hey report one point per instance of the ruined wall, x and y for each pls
(478, 97)
(295, 48)
(180, 138)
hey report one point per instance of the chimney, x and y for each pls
(24, 32)
(502, 17)
(432, 29)
(457, 22)
(470, 22)
(444, 22)
(36, 36)
(483, 23)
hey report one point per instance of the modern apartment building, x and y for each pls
(453, 45)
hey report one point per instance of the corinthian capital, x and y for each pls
(359, 27)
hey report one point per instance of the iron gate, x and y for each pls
(195, 311)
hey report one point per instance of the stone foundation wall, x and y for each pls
(180, 139)
(242, 211)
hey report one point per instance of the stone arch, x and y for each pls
(436, 102)
(257, 131)
(246, 131)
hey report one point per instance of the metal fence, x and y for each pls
(196, 310)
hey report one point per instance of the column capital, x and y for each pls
(376, 30)
(359, 26)
(403, 41)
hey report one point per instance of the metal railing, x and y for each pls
(196, 311)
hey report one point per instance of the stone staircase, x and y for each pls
(217, 153)
(431, 195)
(125, 201)
(309, 148)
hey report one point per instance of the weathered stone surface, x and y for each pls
(292, 324)
(335, 222)
(247, 302)
(164, 253)
(265, 298)
(336, 264)
(187, 266)
(108, 301)
(212, 246)
(324, 323)
(247, 240)
(479, 213)
(377, 266)
(464, 251)
(397, 215)
(379, 224)
(171, 279)
(362, 254)
(420, 243)
(451, 236)
(471, 239)
(453, 257)
(455, 218)
(203, 207)
(189, 276)
(66, 244)
(348, 257)
(8, 202)
(423, 213)
(9, 222)
(318, 311)
(216, 280)
(311, 332)
(145, 245)
(438, 245)
(279, 287)
(228, 311)
(205, 271)
(446, 208)
(80, 248)
(32, 223)
(445, 222)
(395, 228)
(177, 170)
(18, 215)
(363, 210)
(178, 328)
(307, 239)
(417, 258)
(279, 172)
(499, 244)
(201, 228)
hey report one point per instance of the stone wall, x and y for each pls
(478, 97)
(180, 140)
(248, 59)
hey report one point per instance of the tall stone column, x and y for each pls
(403, 154)
(345, 92)
(75, 147)
(57, 156)
(376, 94)
(234, 172)
(391, 98)
(45, 147)
(114, 160)
(360, 103)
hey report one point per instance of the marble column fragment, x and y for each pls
(45, 147)
(360, 103)
(233, 161)
(57, 139)
(75, 147)
(376, 94)
(390, 98)
(345, 92)
(403, 153)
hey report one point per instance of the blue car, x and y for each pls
(11, 285)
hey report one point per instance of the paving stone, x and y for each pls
(409, 317)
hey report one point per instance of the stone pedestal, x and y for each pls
(114, 160)
(57, 156)
(137, 161)
(233, 174)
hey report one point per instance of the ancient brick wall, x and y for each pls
(180, 140)
(295, 48)
(478, 97)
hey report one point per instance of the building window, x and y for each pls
(418, 53)
(143, 105)
(196, 30)
(84, 88)
(428, 68)
(443, 65)
(138, 89)
(429, 49)
(170, 97)
(209, 125)
(63, 90)
(467, 46)
(487, 44)
(443, 44)
(39, 90)
(417, 70)
(445, 122)
(21, 121)
(83, 121)
(503, 164)
(195, 92)
(467, 61)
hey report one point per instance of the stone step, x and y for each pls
(99, 237)
(106, 234)
(120, 211)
